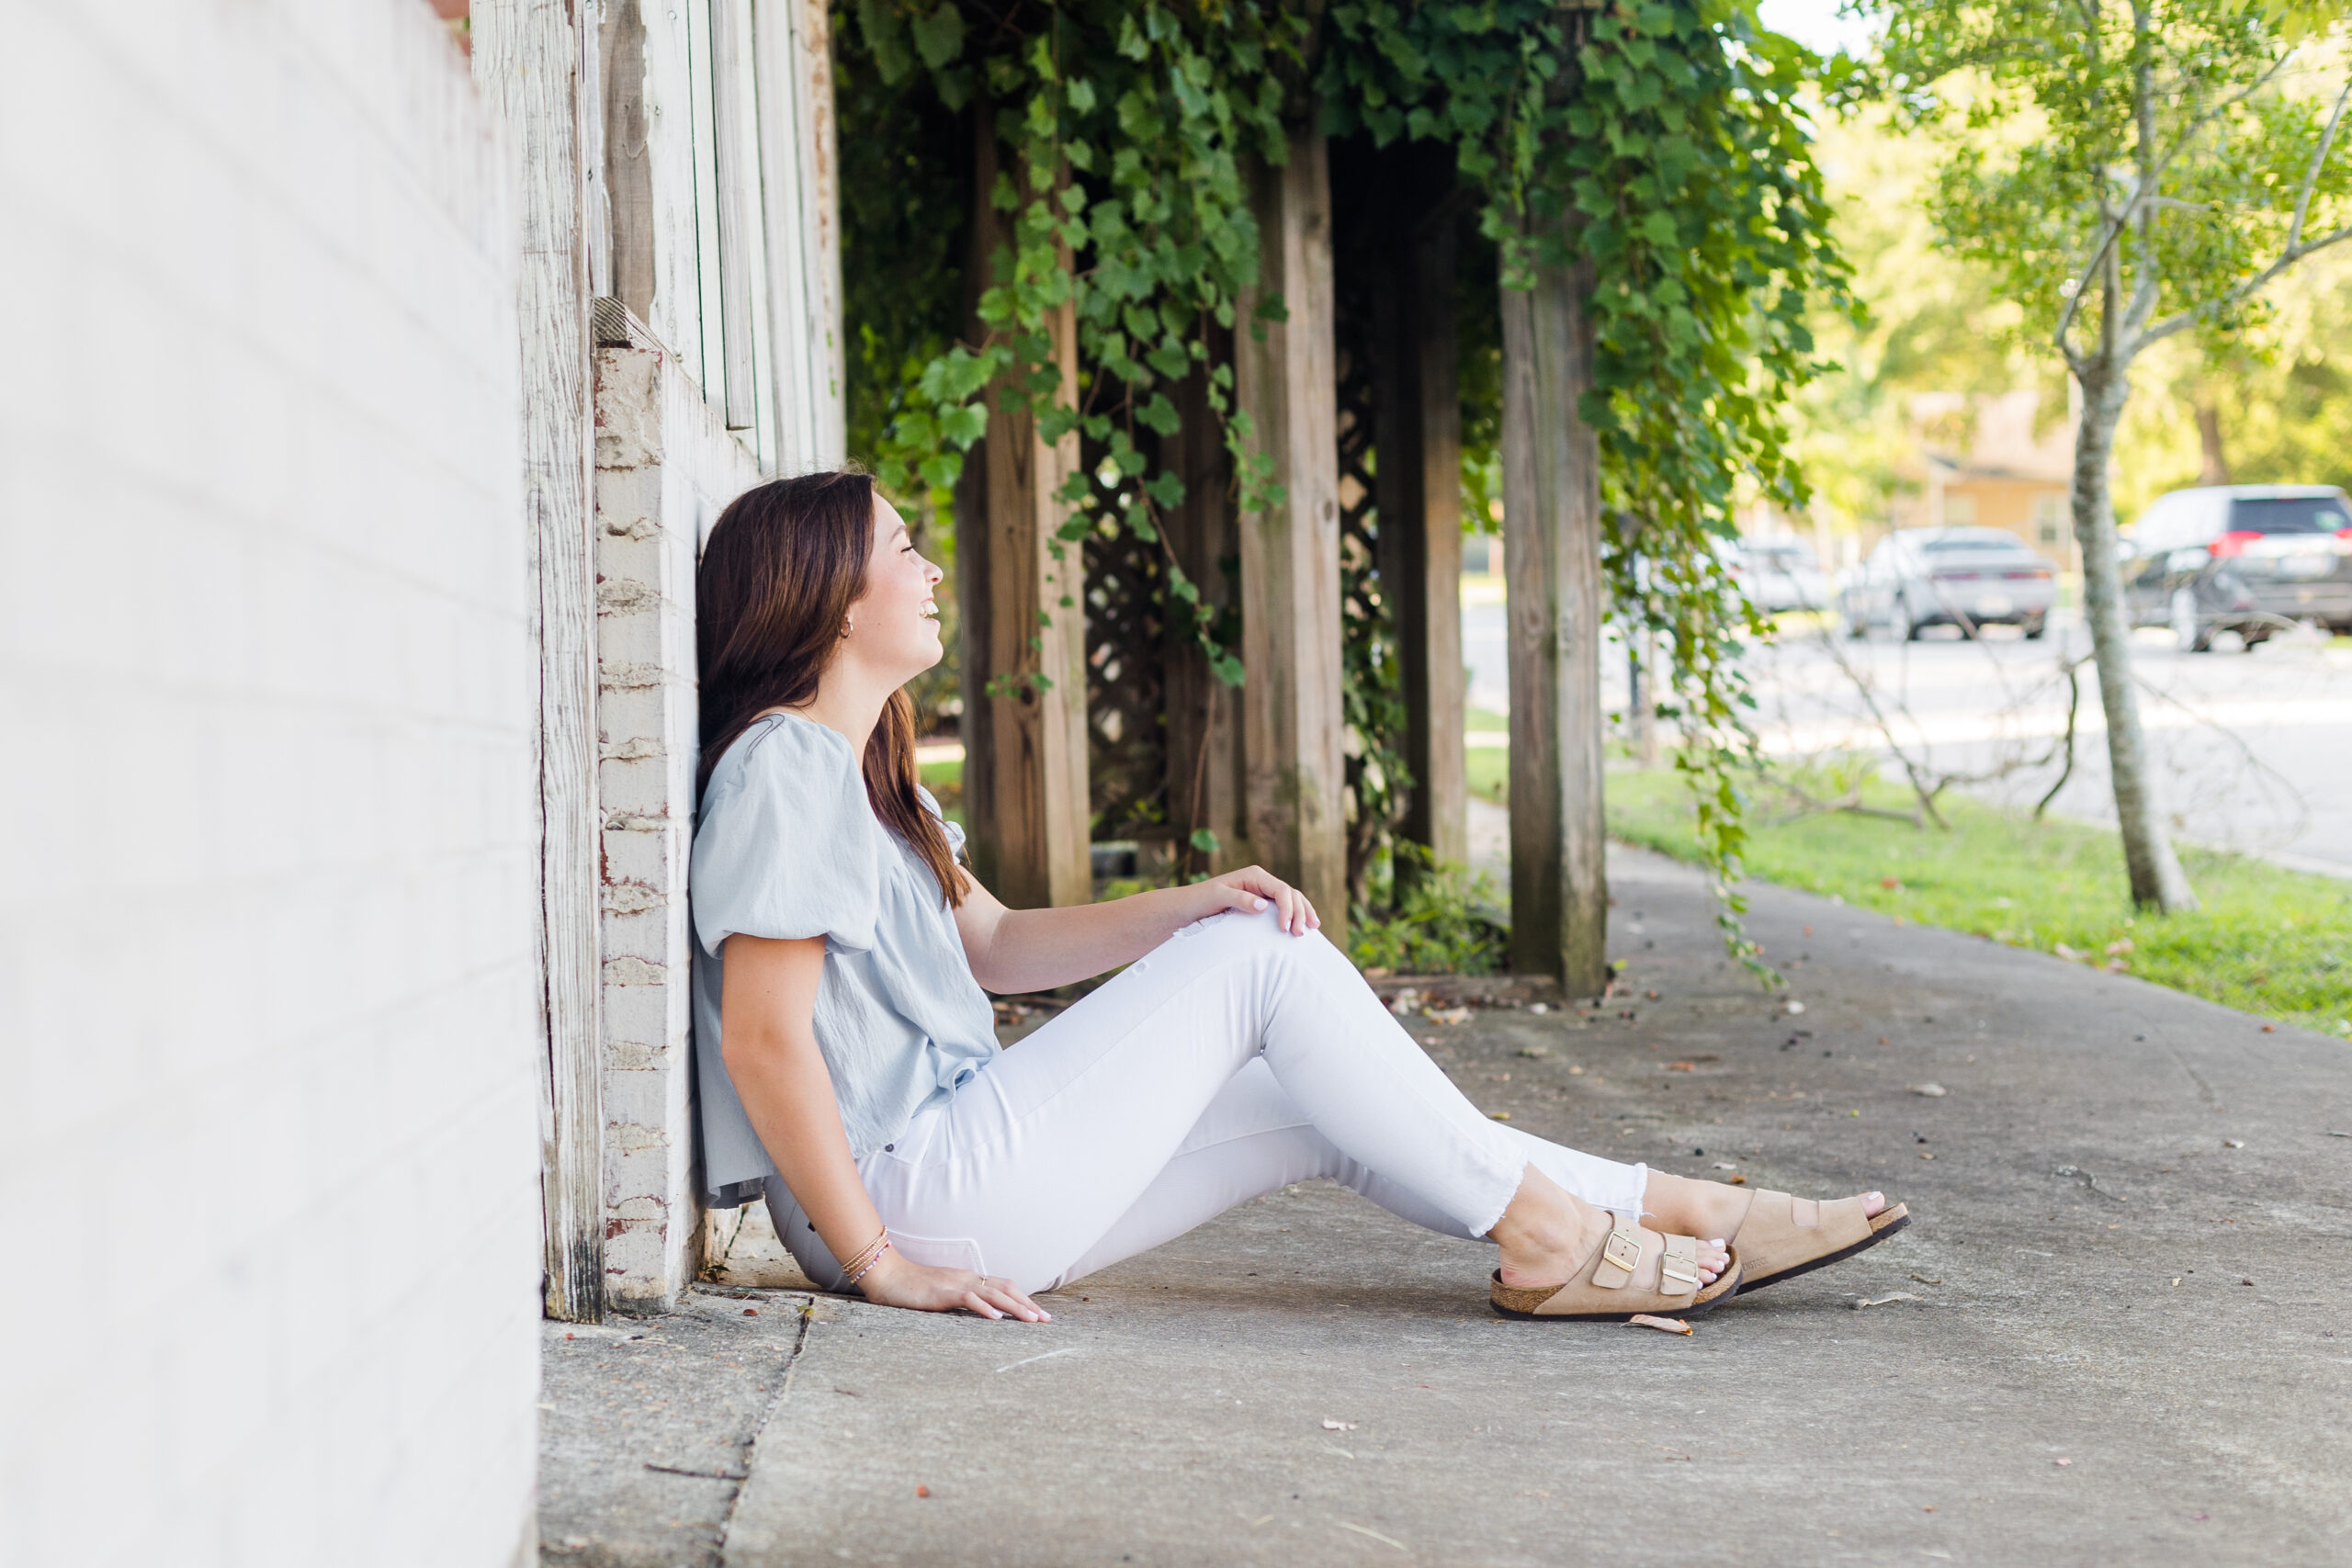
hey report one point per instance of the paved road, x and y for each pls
(2114, 1334)
(2253, 751)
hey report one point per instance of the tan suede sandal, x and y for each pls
(1780, 1237)
(1637, 1270)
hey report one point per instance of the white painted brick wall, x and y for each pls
(665, 467)
(268, 1036)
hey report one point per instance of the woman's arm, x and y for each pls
(1037, 950)
(768, 1039)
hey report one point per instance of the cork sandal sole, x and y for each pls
(1884, 1223)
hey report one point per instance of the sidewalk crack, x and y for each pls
(782, 1392)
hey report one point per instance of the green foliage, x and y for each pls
(1124, 127)
(1664, 145)
(2127, 172)
(2268, 941)
(1446, 922)
(1659, 142)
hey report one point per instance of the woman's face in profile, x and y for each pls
(894, 626)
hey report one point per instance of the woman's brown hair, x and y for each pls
(784, 562)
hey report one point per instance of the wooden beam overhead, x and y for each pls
(1284, 380)
(1559, 892)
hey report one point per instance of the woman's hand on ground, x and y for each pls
(1253, 887)
(900, 1282)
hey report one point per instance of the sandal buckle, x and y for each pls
(1681, 1271)
(1622, 1249)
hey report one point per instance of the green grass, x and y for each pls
(945, 782)
(2268, 940)
(1484, 718)
(1489, 770)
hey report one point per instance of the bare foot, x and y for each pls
(1548, 1236)
(1680, 1206)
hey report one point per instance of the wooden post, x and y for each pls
(1417, 437)
(1559, 892)
(526, 60)
(1284, 380)
(1205, 769)
(735, 166)
(1024, 761)
(792, 52)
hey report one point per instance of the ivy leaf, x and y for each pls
(939, 37)
(1160, 414)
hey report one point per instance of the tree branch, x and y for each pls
(2145, 191)
(2319, 162)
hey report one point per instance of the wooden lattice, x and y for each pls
(1125, 702)
(1376, 772)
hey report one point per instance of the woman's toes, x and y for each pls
(1874, 1204)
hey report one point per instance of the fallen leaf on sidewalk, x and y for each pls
(1932, 1090)
(1446, 1015)
(1498, 1115)
(1664, 1324)
(1682, 1067)
(923, 1491)
(1534, 1050)
(1739, 1180)
(1925, 1281)
(1331, 1426)
(1861, 1302)
(2233, 1143)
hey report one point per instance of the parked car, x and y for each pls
(1968, 577)
(2247, 558)
(1780, 575)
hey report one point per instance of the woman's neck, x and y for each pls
(847, 706)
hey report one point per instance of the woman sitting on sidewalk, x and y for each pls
(847, 1058)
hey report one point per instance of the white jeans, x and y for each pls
(1231, 1060)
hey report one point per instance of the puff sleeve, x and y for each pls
(787, 846)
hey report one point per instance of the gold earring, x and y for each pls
(847, 626)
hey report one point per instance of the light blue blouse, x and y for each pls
(787, 846)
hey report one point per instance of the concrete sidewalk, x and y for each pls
(2115, 1332)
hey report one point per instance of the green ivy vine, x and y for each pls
(1662, 140)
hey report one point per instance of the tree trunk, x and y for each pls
(2157, 881)
(2214, 467)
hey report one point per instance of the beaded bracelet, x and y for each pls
(865, 1258)
(867, 1267)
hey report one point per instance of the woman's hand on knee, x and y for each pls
(1251, 890)
(900, 1283)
